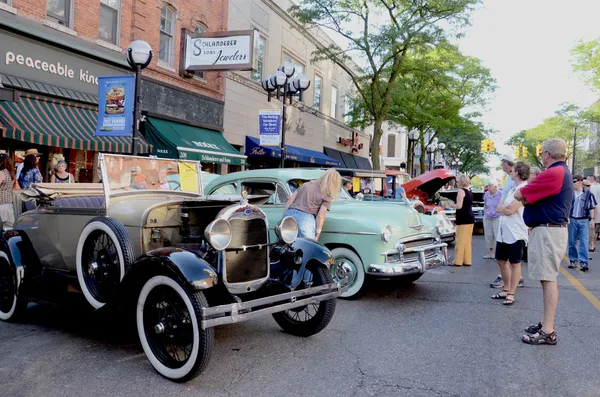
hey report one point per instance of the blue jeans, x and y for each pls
(307, 224)
(579, 229)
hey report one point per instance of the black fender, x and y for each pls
(305, 254)
(21, 254)
(192, 272)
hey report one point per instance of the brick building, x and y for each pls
(53, 50)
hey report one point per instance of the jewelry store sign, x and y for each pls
(233, 50)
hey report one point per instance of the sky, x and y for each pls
(526, 44)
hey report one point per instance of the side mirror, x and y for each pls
(360, 197)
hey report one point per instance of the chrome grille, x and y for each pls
(419, 243)
(247, 232)
(242, 266)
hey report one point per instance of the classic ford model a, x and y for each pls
(146, 241)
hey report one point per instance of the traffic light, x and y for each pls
(484, 146)
(538, 150)
(516, 149)
(525, 153)
(492, 147)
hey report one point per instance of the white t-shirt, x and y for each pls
(508, 185)
(512, 228)
(595, 189)
(19, 169)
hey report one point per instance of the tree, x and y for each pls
(382, 34)
(464, 143)
(587, 62)
(439, 84)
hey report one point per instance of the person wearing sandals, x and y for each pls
(512, 236)
(547, 199)
(464, 222)
(491, 199)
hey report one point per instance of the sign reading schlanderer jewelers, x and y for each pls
(232, 50)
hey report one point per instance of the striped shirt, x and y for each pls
(583, 203)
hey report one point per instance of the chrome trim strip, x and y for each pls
(354, 233)
(228, 314)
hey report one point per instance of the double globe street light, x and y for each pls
(139, 55)
(413, 137)
(283, 83)
(432, 148)
(456, 164)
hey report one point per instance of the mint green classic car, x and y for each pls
(366, 238)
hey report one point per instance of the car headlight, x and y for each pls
(218, 234)
(386, 233)
(287, 230)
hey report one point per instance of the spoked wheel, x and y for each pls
(104, 253)
(11, 305)
(168, 326)
(314, 317)
(348, 265)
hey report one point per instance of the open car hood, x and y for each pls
(429, 183)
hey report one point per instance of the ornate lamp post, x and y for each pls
(456, 164)
(282, 83)
(413, 137)
(139, 55)
(431, 148)
(441, 148)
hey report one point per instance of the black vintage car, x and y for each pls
(175, 262)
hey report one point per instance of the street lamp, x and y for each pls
(431, 148)
(139, 55)
(281, 83)
(413, 137)
(441, 148)
(456, 163)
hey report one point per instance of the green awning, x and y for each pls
(170, 139)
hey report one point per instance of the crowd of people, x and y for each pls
(536, 217)
(25, 174)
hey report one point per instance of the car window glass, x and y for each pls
(230, 188)
(266, 189)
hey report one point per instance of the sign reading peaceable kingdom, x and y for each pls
(219, 50)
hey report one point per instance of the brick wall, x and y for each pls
(140, 20)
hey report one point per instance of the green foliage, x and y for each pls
(463, 142)
(382, 34)
(587, 62)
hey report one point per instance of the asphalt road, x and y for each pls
(443, 336)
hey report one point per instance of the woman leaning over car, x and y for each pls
(310, 203)
(30, 174)
(464, 222)
(512, 235)
(7, 183)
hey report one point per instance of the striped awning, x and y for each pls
(52, 122)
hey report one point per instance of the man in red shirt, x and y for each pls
(548, 200)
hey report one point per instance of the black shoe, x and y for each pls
(572, 265)
(584, 268)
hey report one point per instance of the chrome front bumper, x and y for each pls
(425, 260)
(242, 311)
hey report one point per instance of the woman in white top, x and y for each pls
(512, 235)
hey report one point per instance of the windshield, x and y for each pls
(129, 174)
(295, 184)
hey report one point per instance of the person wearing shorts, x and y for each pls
(512, 235)
(547, 199)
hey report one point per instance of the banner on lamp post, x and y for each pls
(115, 105)
(269, 126)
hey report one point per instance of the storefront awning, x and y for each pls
(50, 122)
(170, 139)
(349, 160)
(294, 153)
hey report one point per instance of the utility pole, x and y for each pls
(574, 147)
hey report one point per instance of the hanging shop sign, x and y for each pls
(269, 125)
(115, 105)
(232, 50)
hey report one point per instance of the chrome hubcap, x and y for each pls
(159, 328)
(345, 268)
(92, 268)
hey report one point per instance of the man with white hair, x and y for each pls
(548, 201)
(507, 162)
(491, 219)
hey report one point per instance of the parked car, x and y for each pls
(383, 183)
(174, 261)
(366, 238)
(477, 204)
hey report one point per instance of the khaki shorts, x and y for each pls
(546, 249)
(7, 214)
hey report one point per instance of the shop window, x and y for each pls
(167, 35)
(8, 2)
(59, 11)
(259, 54)
(108, 29)
(200, 28)
(317, 92)
(391, 145)
(334, 94)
